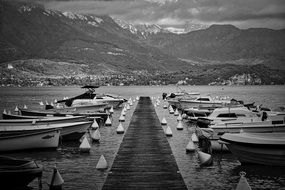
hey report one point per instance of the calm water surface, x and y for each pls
(79, 172)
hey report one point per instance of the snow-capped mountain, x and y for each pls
(147, 29)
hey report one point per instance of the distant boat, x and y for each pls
(257, 148)
(69, 131)
(91, 98)
(206, 102)
(15, 173)
(34, 140)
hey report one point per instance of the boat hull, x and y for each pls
(41, 121)
(69, 131)
(254, 127)
(258, 155)
(13, 175)
(46, 113)
(35, 140)
(185, 104)
(257, 148)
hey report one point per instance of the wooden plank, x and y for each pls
(144, 159)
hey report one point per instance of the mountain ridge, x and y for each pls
(30, 32)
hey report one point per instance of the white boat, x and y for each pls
(174, 100)
(257, 148)
(194, 113)
(108, 99)
(206, 102)
(90, 98)
(229, 114)
(35, 140)
(69, 131)
(238, 127)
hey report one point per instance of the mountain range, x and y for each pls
(100, 44)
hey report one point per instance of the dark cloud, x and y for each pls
(244, 13)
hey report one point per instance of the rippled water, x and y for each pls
(79, 172)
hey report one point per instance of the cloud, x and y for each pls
(177, 12)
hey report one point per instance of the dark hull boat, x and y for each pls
(15, 173)
(47, 113)
(42, 120)
(257, 148)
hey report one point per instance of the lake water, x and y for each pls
(79, 170)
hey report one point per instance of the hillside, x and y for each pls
(40, 43)
(225, 43)
(30, 31)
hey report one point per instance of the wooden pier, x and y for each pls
(144, 159)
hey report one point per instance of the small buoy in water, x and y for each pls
(16, 109)
(176, 113)
(25, 107)
(121, 118)
(184, 116)
(164, 106)
(55, 182)
(94, 124)
(179, 125)
(168, 132)
(108, 122)
(4, 112)
(120, 129)
(205, 159)
(84, 146)
(111, 110)
(123, 112)
(163, 121)
(171, 111)
(190, 146)
(96, 135)
(41, 103)
(194, 138)
(102, 163)
(179, 118)
(243, 184)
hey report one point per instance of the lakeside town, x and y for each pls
(123, 80)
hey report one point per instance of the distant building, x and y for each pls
(10, 66)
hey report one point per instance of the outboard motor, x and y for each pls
(264, 116)
(172, 95)
(164, 95)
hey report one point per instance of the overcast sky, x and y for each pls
(175, 13)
